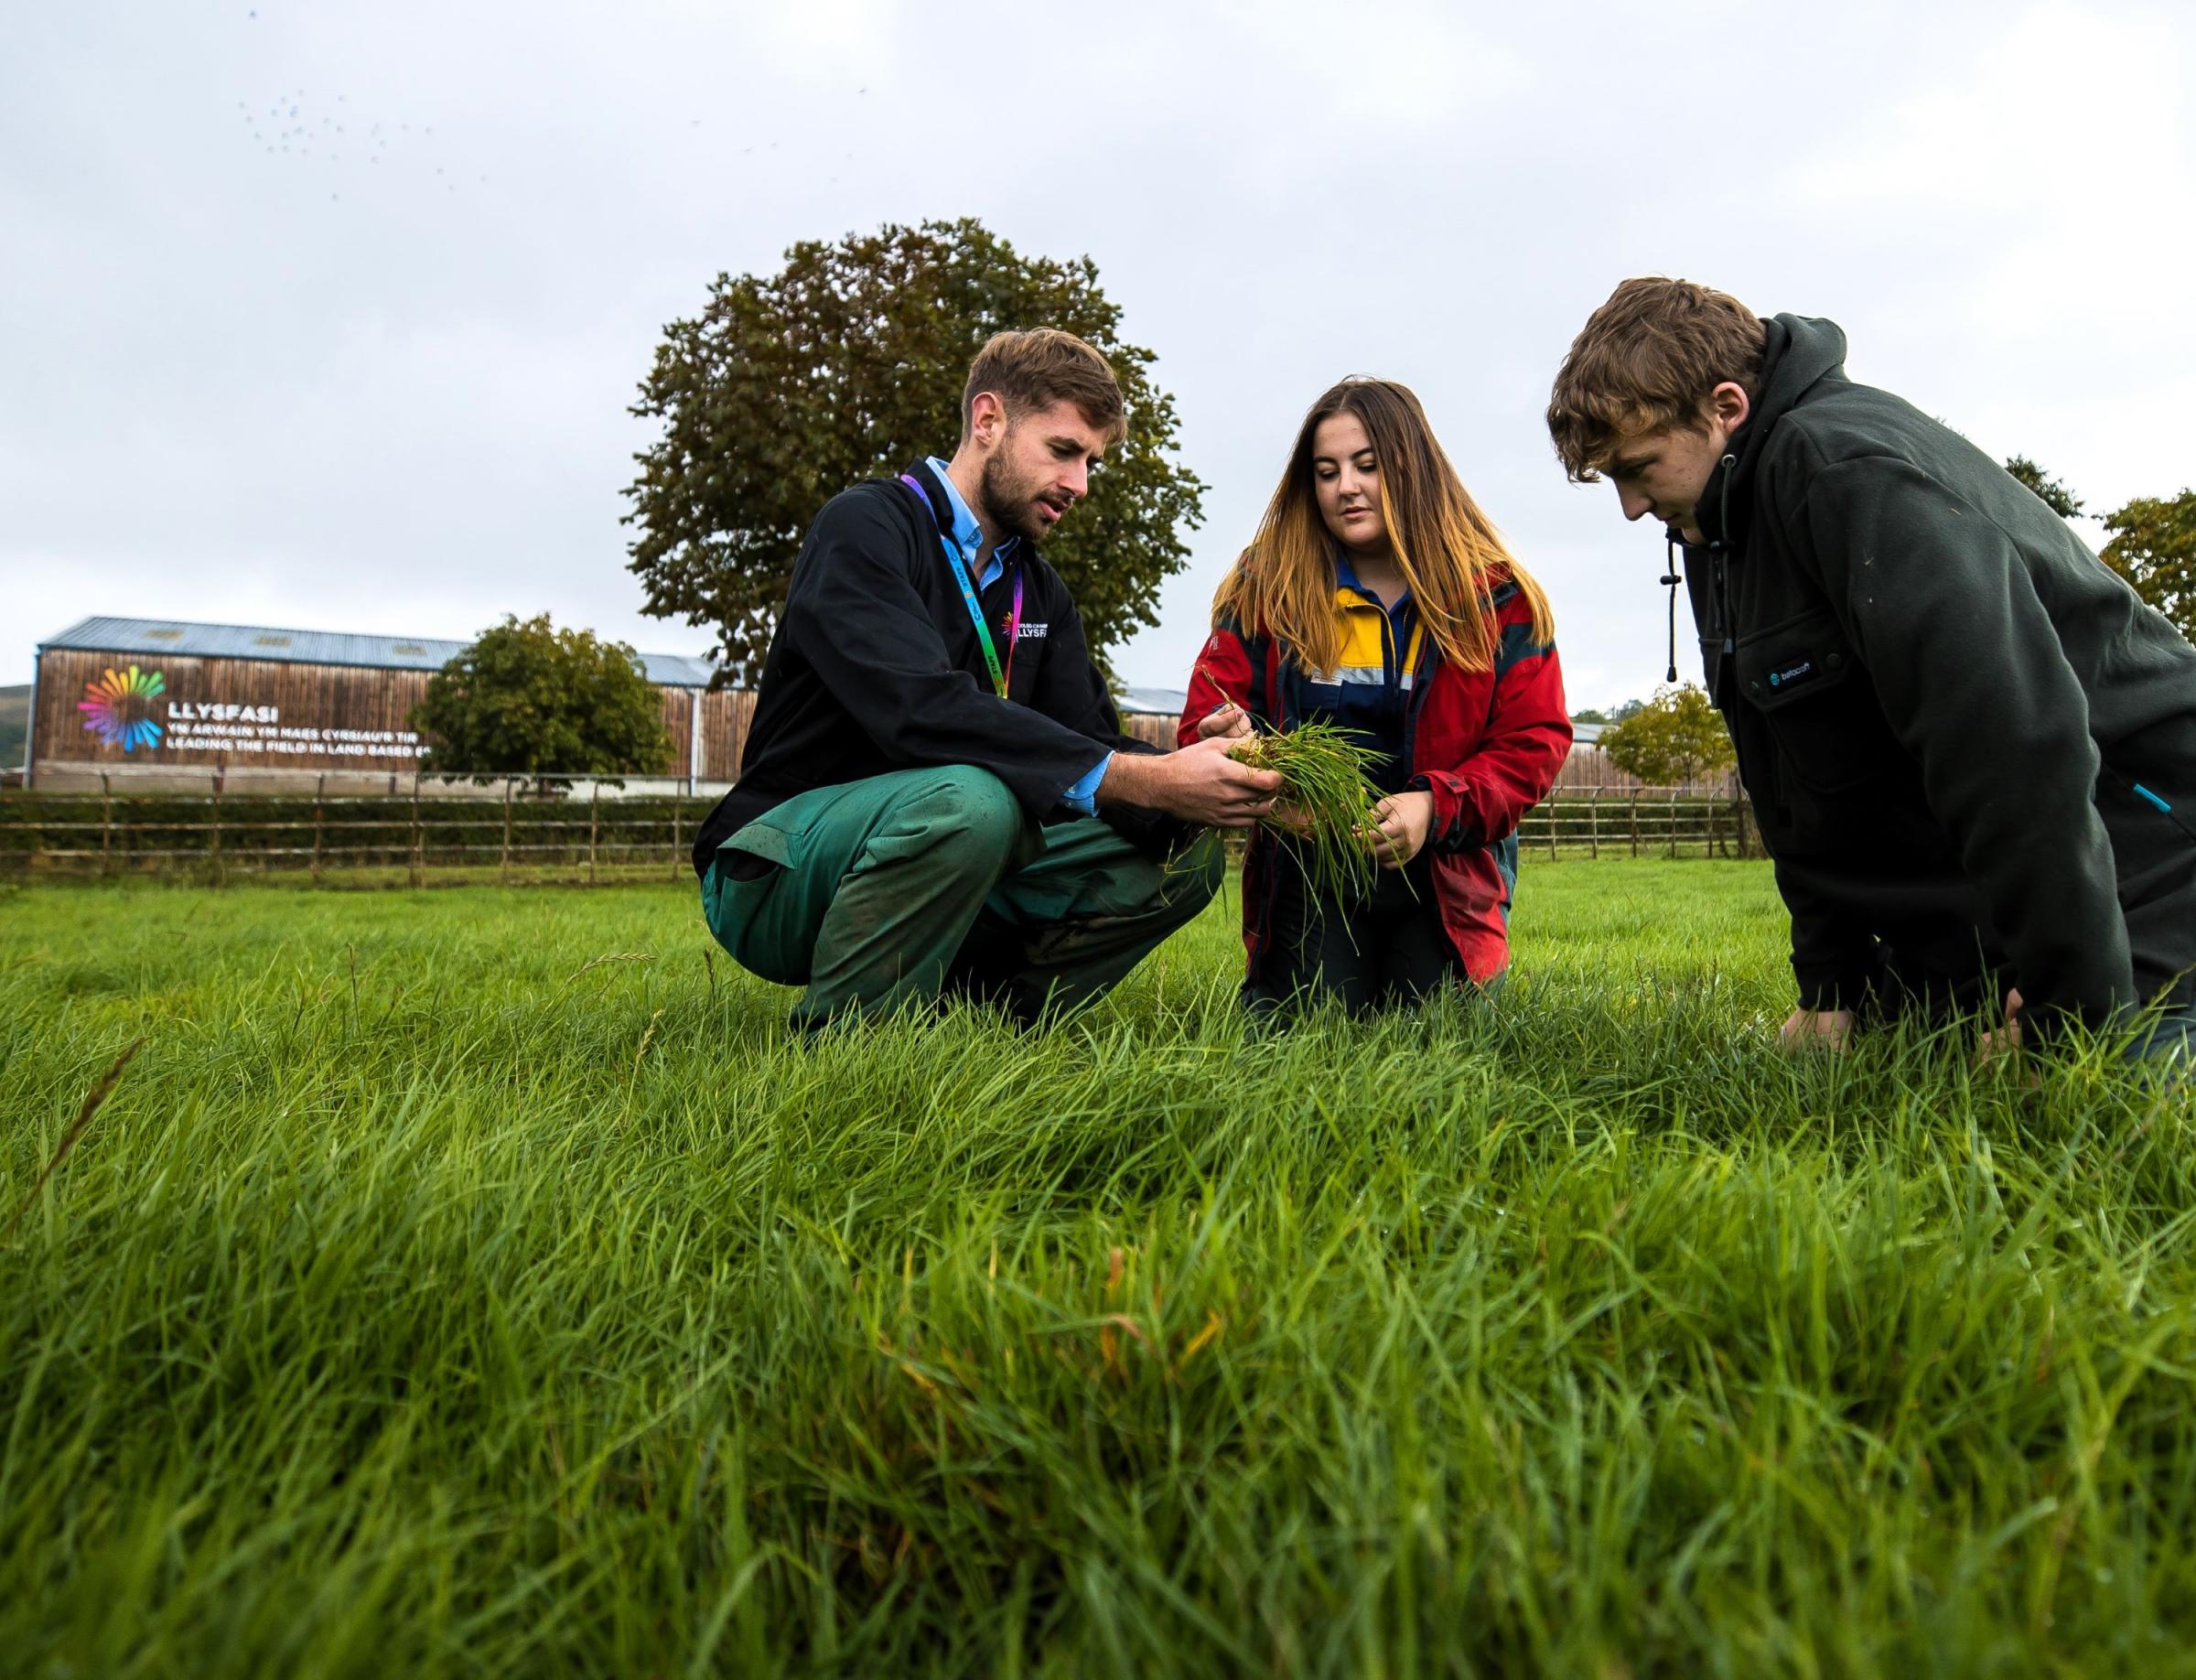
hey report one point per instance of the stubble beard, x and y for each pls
(1009, 507)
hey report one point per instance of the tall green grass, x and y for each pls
(481, 1282)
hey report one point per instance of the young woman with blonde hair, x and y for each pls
(1377, 597)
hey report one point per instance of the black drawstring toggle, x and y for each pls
(1672, 578)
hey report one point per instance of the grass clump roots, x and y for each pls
(1325, 802)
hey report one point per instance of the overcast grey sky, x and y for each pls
(377, 381)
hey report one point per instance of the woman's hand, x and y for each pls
(1404, 821)
(1226, 720)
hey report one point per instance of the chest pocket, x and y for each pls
(1028, 658)
(1802, 677)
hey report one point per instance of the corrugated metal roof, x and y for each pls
(157, 636)
(1159, 702)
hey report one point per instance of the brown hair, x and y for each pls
(1645, 361)
(1450, 556)
(1036, 369)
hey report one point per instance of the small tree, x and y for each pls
(2153, 547)
(847, 364)
(2049, 490)
(530, 699)
(1677, 736)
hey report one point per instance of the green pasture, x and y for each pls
(479, 1282)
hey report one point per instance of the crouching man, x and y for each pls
(935, 794)
(1971, 747)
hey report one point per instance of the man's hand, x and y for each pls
(1806, 1030)
(1228, 720)
(1403, 822)
(1200, 783)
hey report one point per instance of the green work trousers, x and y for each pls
(886, 893)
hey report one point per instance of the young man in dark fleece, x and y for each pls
(935, 794)
(1971, 748)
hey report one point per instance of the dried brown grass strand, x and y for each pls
(93, 1098)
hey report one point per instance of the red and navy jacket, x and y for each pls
(1485, 744)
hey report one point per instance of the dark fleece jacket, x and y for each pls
(1971, 747)
(875, 667)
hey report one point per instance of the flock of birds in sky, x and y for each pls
(287, 128)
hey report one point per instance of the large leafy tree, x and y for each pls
(1677, 736)
(847, 364)
(528, 698)
(2049, 490)
(2153, 547)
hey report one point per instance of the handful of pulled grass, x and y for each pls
(1327, 802)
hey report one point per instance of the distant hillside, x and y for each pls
(14, 723)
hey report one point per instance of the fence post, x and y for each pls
(593, 817)
(417, 856)
(505, 866)
(106, 820)
(319, 794)
(673, 802)
(1673, 821)
(217, 828)
(1593, 822)
(1635, 822)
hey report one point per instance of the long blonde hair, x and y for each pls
(1451, 556)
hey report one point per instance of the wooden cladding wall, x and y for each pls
(1153, 727)
(678, 707)
(1588, 766)
(725, 714)
(250, 713)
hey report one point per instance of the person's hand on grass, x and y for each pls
(1809, 1029)
(1401, 822)
(2004, 1041)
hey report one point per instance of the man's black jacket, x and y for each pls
(1971, 747)
(875, 667)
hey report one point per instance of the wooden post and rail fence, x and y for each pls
(586, 830)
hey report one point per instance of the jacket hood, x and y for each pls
(1801, 352)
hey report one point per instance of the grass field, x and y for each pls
(477, 1282)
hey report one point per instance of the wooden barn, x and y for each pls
(283, 706)
(156, 701)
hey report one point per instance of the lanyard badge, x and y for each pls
(999, 679)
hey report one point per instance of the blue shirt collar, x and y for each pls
(966, 534)
(1346, 575)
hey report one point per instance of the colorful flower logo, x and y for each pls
(115, 708)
